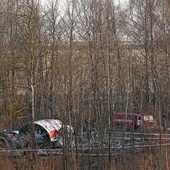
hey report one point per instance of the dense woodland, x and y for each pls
(83, 59)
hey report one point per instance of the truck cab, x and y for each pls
(133, 121)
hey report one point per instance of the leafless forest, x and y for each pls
(85, 59)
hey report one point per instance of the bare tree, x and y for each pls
(29, 27)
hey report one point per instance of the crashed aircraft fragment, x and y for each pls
(53, 128)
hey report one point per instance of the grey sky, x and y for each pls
(116, 1)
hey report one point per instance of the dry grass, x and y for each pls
(147, 160)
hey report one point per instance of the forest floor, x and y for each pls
(118, 150)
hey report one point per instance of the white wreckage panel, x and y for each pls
(53, 126)
(50, 124)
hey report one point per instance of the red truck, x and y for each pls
(133, 120)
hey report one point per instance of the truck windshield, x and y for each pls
(148, 117)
